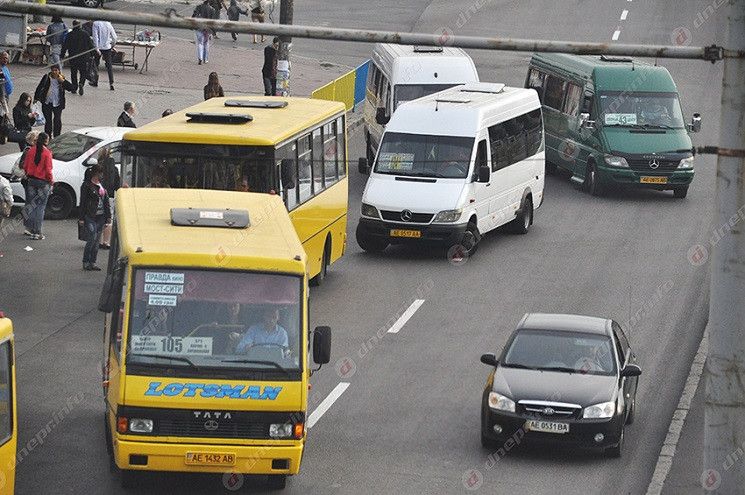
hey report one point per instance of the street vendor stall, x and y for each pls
(145, 39)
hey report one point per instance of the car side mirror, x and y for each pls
(489, 359)
(322, 345)
(288, 173)
(695, 125)
(585, 122)
(484, 173)
(631, 370)
(381, 116)
(363, 166)
(91, 161)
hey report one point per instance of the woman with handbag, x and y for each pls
(51, 93)
(24, 118)
(95, 212)
(111, 181)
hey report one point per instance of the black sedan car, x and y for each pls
(561, 378)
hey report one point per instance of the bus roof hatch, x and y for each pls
(255, 103)
(200, 217)
(218, 118)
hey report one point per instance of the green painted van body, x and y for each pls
(591, 83)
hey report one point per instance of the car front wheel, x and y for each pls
(60, 203)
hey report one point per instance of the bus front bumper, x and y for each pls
(628, 177)
(166, 456)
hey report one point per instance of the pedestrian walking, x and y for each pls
(38, 167)
(213, 89)
(234, 14)
(217, 6)
(111, 181)
(51, 93)
(257, 14)
(203, 11)
(125, 118)
(94, 213)
(269, 71)
(104, 39)
(56, 34)
(79, 47)
(6, 89)
(24, 119)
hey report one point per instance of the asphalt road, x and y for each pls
(409, 420)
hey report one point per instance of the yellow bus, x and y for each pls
(8, 418)
(206, 335)
(293, 147)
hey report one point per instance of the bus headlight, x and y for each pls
(140, 425)
(616, 161)
(448, 216)
(280, 430)
(686, 163)
(369, 211)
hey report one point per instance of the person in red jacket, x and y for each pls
(38, 167)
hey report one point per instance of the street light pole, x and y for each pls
(724, 416)
(283, 55)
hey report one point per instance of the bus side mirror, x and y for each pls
(585, 122)
(363, 166)
(322, 345)
(111, 294)
(484, 173)
(381, 116)
(695, 124)
(288, 173)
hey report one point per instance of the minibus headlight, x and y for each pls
(616, 161)
(280, 430)
(448, 216)
(599, 411)
(140, 425)
(686, 162)
(501, 402)
(369, 211)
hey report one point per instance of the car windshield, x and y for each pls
(407, 92)
(215, 319)
(70, 145)
(421, 155)
(653, 110)
(570, 352)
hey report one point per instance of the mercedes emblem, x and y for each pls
(654, 164)
(406, 215)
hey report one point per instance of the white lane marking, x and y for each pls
(406, 316)
(326, 404)
(616, 34)
(665, 459)
(624, 15)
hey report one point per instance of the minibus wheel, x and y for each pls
(591, 180)
(524, 218)
(680, 192)
(276, 481)
(471, 238)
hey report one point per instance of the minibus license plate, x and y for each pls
(653, 180)
(406, 233)
(546, 426)
(210, 459)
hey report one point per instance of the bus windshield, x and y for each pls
(189, 318)
(199, 166)
(420, 155)
(651, 110)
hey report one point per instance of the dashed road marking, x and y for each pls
(324, 406)
(624, 15)
(616, 34)
(406, 316)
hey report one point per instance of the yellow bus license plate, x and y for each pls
(653, 180)
(210, 459)
(406, 233)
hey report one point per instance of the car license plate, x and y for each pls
(406, 233)
(653, 180)
(546, 426)
(210, 459)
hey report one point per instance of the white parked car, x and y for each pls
(73, 152)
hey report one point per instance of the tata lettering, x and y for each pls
(208, 390)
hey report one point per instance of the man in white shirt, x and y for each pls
(104, 39)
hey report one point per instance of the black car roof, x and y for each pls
(565, 322)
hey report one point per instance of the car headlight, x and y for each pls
(500, 402)
(280, 430)
(616, 161)
(369, 211)
(140, 425)
(448, 216)
(686, 163)
(599, 411)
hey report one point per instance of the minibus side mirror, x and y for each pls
(484, 173)
(363, 166)
(585, 122)
(631, 370)
(381, 116)
(489, 359)
(288, 173)
(322, 345)
(695, 125)
(111, 293)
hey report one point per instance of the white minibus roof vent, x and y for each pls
(453, 99)
(201, 217)
(489, 88)
(607, 58)
(427, 49)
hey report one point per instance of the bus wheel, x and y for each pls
(318, 279)
(591, 181)
(369, 244)
(524, 219)
(277, 481)
(680, 192)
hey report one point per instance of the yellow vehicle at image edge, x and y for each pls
(206, 335)
(293, 147)
(8, 417)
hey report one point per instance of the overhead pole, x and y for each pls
(283, 55)
(724, 413)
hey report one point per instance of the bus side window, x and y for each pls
(329, 153)
(287, 151)
(574, 95)
(535, 81)
(341, 148)
(304, 176)
(6, 392)
(117, 320)
(317, 153)
(373, 80)
(533, 126)
(555, 89)
(498, 144)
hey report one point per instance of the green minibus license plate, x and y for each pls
(653, 180)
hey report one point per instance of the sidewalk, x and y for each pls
(174, 80)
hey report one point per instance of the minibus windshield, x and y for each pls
(421, 155)
(407, 92)
(641, 110)
(186, 318)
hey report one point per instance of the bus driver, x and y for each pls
(268, 332)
